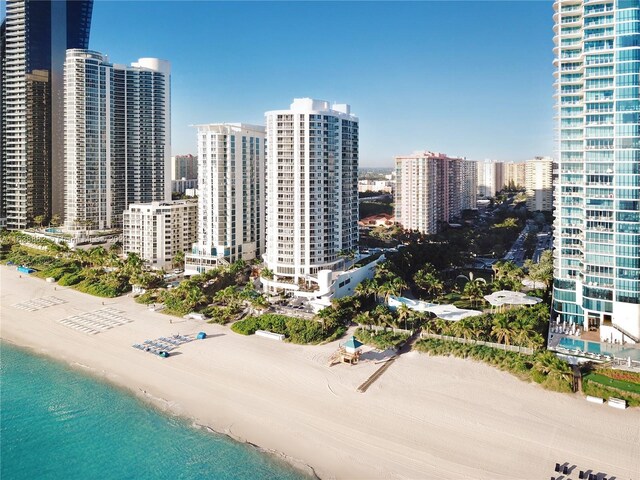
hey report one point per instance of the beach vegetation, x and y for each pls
(608, 381)
(148, 297)
(381, 339)
(523, 326)
(295, 330)
(542, 367)
(600, 386)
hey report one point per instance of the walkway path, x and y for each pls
(404, 348)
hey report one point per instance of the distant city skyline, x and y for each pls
(420, 75)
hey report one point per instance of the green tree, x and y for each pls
(403, 313)
(474, 291)
(550, 365)
(98, 256)
(267, 273)
(39, 220)
(55, 220)
(426, 279)
(502, 330)
(543, 270)
(178, 260)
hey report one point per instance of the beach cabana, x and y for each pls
(201, 336)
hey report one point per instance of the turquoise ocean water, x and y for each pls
(56, 423)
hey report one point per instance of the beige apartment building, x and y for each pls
(157, 231)
(539, 184)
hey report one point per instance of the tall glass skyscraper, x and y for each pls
(34, 38)
(597, 194)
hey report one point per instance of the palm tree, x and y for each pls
(403, 313)
(426, 279)
(502, 330)
(82, 256)
(382, 316)
(442, 326)
(548, 364)
(522, 330)
(365, 319)
(473, 290)
(98, 256)
(398, 285)
(366, 288)
(178, 260)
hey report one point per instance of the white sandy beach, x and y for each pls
(426, 417)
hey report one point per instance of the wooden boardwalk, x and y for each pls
(406, 347)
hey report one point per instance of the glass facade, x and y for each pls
(597, 194)
(32, 110)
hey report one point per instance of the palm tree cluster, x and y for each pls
(427, 280)
(386, 282)
(525, 327)
(508, 276)
(221, 293)
(541, 271)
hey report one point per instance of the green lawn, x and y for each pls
(611, 382)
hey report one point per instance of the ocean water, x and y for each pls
(57, 423)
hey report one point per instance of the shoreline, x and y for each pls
(163, 406)
(426, 417)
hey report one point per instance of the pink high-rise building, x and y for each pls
(432, 189)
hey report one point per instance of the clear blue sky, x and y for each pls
(466, 78)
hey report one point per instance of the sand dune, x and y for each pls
(426, 417)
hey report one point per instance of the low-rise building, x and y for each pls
(184, 184)
(157, 231)
(385, 186)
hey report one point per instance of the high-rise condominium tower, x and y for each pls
(184, 166)
(539, 184)
(514, 174)
(231, 195)
(34, 38)
(432, 189)
(312, 188)
(117, 137)
(597, 195)
(490, 178)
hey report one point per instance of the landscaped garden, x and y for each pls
(607, 383)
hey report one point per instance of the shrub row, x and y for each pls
(381, 339)
(296, 330)
(595, 389)
(543, 367)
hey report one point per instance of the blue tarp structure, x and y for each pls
(201, 336)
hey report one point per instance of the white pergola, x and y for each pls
(507, 297)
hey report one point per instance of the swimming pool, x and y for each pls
(572, 344)
(596, 348)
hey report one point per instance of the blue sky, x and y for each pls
(466, 78)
